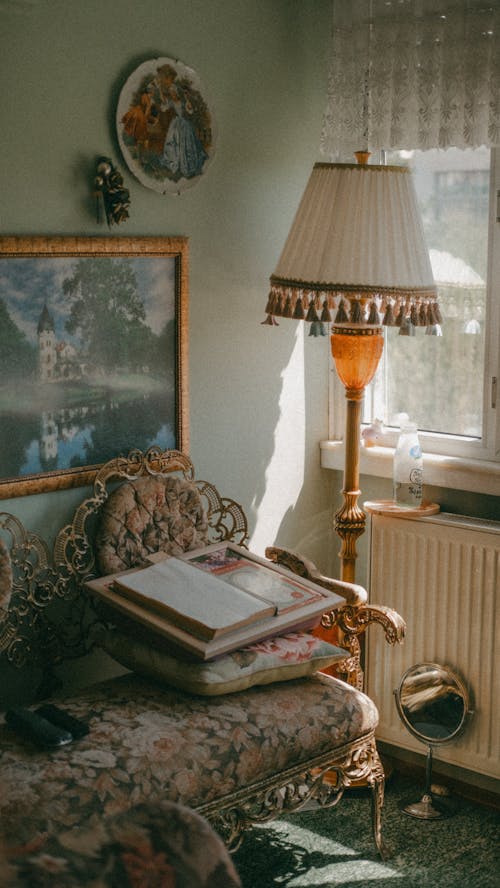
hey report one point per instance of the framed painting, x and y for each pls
(93, 355)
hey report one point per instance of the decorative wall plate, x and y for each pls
(166, 129)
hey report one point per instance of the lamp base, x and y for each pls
(356, 351)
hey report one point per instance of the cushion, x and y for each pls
(149, 515)
(276, 659)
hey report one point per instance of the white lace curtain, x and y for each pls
(412, 74)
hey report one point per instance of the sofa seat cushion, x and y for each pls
(150, 742)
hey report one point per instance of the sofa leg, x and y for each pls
(377, 786)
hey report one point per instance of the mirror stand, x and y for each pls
(433, 705)
(428, 808)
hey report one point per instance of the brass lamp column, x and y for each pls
(356, 352)
(355, 257)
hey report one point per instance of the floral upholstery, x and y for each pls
(5, 580)
(164, 844)
(148, 515)
(151, 743)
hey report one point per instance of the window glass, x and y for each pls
(437, 377)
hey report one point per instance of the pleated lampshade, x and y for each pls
(356, 252)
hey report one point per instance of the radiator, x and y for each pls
(442, 574)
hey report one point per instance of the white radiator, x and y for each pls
(442, 574)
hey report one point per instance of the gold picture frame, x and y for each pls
(93, 355)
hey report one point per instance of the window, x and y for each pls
(446, 381)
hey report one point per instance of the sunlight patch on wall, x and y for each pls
(285, 472)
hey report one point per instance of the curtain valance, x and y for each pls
(412, 74)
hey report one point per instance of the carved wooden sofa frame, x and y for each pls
(52, 617)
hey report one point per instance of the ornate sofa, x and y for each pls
(275, 736)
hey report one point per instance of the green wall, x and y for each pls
(258, 395)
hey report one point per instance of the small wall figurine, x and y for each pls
(112, 198)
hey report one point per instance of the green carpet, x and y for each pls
(335, 848)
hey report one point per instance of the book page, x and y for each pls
(192, 598)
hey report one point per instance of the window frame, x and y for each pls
(487, 448)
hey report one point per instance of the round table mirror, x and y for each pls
(433, 704)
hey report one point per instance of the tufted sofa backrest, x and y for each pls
(149, 515)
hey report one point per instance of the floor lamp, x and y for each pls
(355, 257)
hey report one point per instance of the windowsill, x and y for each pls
(478, 476)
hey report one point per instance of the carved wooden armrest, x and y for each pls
(352, 619)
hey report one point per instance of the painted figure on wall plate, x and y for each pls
(165, 128)
(87, 358)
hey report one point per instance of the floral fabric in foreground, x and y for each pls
(149, 846)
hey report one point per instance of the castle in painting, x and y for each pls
(57, 361)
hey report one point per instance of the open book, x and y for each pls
(215, 590)
(204, 606)
(216, 599)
